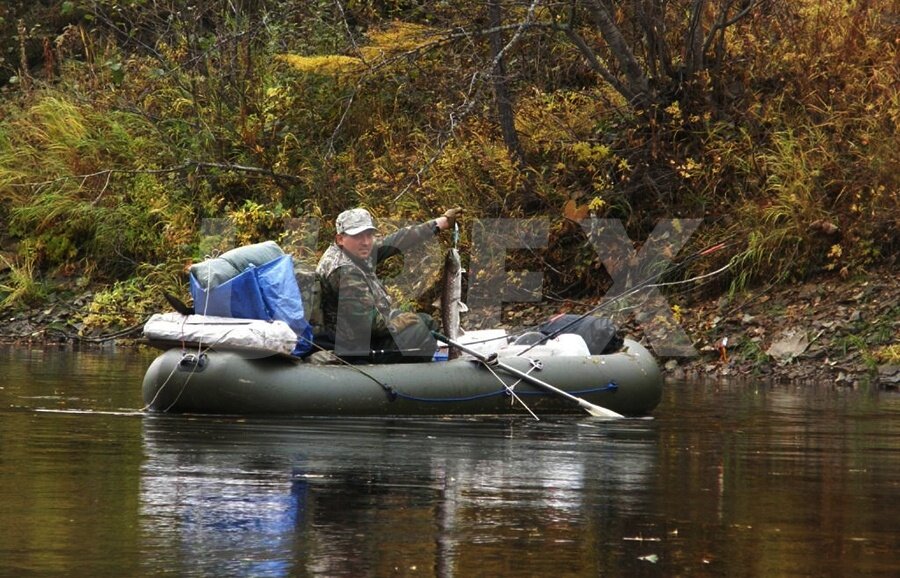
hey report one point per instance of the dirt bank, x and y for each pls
(832, 331)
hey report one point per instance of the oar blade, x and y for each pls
(597, 411)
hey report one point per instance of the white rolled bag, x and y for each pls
(222, 332)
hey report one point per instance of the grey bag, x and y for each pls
(213, 272)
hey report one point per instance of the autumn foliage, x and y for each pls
(128, 124)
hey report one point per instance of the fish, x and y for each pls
(451, 299)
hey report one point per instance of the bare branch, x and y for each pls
(456, 118)
(175, 169)
(350, 36)
(98, 13)
(374, 68)
(693, 45)
(103, 190)
(595, 63)
(502, 98)
(724, 22)
(637, 80)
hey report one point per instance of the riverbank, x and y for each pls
(831, 331)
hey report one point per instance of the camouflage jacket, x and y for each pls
(355, 304)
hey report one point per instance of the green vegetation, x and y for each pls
(125, 125)
(21, 285)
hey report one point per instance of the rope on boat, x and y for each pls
(196, 361)
(389, 390)
(609, 387)
(510, 389)
(150, 403)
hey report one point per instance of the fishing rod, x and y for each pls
(645, 284)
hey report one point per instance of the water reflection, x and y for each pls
(60, 378)
(727, 480)
(363, 497)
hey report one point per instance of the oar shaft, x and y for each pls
(591, 408)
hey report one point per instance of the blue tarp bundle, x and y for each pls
(268, 291)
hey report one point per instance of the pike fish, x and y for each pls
(451, 298)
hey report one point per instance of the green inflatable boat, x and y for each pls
(184, 380)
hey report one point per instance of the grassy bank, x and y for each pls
(127, 130)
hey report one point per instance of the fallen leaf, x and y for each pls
(573, 212)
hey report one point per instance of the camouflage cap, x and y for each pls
(353, 222)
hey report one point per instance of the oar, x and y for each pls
(594, 410)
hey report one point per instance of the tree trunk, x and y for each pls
(635, 78)
(505, 113)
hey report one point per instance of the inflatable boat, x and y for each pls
(552, 378)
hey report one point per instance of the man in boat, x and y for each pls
(358, 320)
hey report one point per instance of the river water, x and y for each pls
(726, 480)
